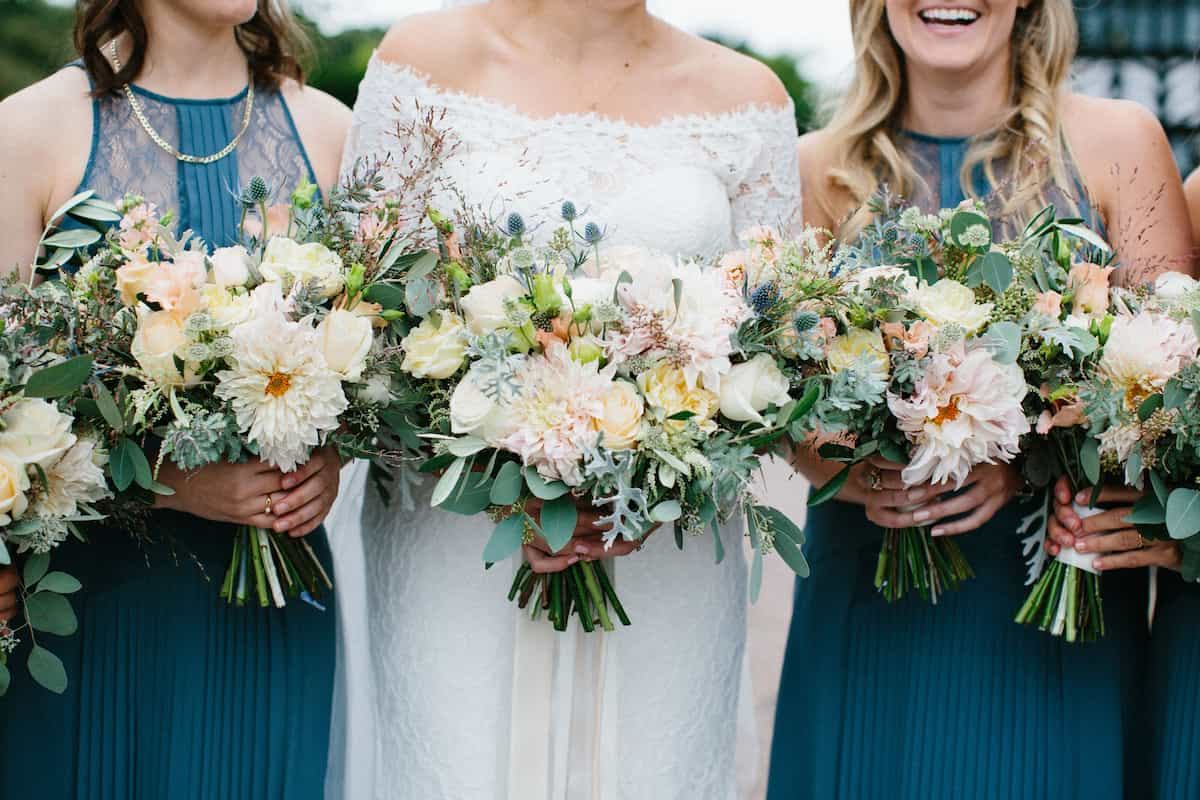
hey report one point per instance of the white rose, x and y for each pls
(345, 339)
(36, 432)
(14, 483)
(620, 422)
(159, 338)
(1174, 285)
(230, 266)
(473, 413)
(483, 305)
(226, 310)
(749, 388)
(313, 264)
(75, 478)
(950, 303)
(435, 351)
(857, 348)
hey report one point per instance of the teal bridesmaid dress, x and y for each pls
(918, 702)
(173, 694)
(1174, 689)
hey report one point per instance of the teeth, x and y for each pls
(949, 15)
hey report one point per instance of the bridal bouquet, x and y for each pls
(1127, 414)
(920, 369)
(51, 472)
(270, 349)
(635, 383)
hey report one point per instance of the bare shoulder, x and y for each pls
(322, 121)
(434, 43)
(1097, 123)
(816, 156)
(736, 80)
(46, 137)
(1192, 188)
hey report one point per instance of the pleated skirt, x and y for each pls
(915, 702)
(173, 694)
(1174, 691)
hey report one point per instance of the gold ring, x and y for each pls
(875, 480)
(1143, 544)
(267, 511)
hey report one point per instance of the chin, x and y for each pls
(220, 12)
(953, 35)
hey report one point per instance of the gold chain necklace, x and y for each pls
(163, 143)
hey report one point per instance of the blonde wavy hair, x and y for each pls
(866, 123)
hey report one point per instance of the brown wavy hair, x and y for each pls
(1030, 135)
(274, 42)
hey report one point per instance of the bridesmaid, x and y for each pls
(173, 694)
(1173, 674)
(912, 701)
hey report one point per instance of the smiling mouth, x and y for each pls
(953, 17)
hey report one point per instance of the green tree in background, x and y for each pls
(35, 40)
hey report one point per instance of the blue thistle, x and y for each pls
(569, 212)
(515, 225)
(592, 233)
(254, 193)
(764, 297)
(805, 321)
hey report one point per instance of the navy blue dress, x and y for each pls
(918, 702)
(173, 694)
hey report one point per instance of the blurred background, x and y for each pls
(1144, 50)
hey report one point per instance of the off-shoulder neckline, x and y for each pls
(750, 114)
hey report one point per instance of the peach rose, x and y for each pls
(1090, 284)
(1049, 304)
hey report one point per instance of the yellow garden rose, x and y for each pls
(14, 483)
(849, 350)
(132, 278)
(621, 421)
(433, 350)
(158, 340)
(666, 388)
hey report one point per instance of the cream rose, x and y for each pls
(473, 413)
(1174, 285)
(314, 264)
(230, 266)
(36, 432)
(159, 338)
(620, 421)
(950, 303)
(132, 278)
(748, 388)
(433, 350)
(14, 483)
(483, 306)
(666, 388)
(857, 346)
(345, 339)
(226, 310)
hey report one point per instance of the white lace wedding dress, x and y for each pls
(471, 700)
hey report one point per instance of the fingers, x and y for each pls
(1159, 554)
(882, 463)
(1109, 494)
(1062, 491)
(315, 464)
(299, 497)
(1067, 518)
(544, 564)
(1128, 539)
(1059, 535)
(8, 593)
(951, 506)
(306, 518)
(875, 479)
(972, 521)
(1111, 520)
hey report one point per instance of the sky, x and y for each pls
(817, 31)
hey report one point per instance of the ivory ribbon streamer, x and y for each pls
(1072, 557)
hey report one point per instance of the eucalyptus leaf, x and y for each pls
(446, 484)
(506, 539)
(59, 582)
(128, 465)
(558, 520)
(61, 379)
(466, 446)
(472, 495)
(107, 406)
(1089, 459)
(424, 264)
(1175, 395)
(47, 669)
(389, 296)
(1003, 341)
(89, 212)
(421, 296)
(507, 485)
(1147, 511)
(50, 612)
(36, 567)
(923, 269)
(5, 680)
(1151, 404)
(666, 511)
(756, 566)
(1183, 513)
(1159, 486)
(830, 489)
(5, 556)
(71, 203)
(963, 221)
(75, 238)
(542, 489)
(993, 269)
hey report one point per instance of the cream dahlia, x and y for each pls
(280, 388)
(1145, 351)
(963, 413)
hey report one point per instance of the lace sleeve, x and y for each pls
(388, 101)
(768, 189)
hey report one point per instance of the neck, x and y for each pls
(574, 33)
(186, 59)
(952, 104)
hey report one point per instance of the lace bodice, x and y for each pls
(686, 185)
(124, 158)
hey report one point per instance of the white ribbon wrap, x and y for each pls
(1071, 556)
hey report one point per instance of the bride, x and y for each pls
(667, 141)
